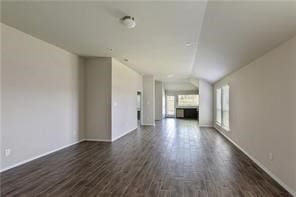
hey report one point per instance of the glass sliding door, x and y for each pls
(170, 107)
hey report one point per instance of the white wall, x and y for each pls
(263, 111)
(81, 98)
(125, 84)
(1, 147)
(110, 98)
(148, 100)
(205, 104)
(40, 97)
(163, 101)
(159, 89)
(98, 98)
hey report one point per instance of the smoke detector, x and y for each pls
(129, 22)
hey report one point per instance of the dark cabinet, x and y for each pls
(187, 113)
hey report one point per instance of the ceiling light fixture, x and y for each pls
(129, 22)
(188, 44)
(126, 60)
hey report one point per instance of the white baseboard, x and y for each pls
(60, 148)
(120, 136)
(108, 140)
(148, 125)
(205, 125)
(97, 140)
(39, 156)
(277, 179)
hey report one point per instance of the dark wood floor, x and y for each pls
(174, 158)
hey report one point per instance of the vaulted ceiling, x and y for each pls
(236, 33)
(174, 41)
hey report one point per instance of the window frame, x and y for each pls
(219, 109)
(222, 110)
(225, 127)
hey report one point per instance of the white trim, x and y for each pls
(120, 136)
(221, 128)
(39, 156)
(97, 140)
(148, 125)
(226, 128)
(55, 150)
(277, 179)
(109, 140)
(58, 149)
(205, 125)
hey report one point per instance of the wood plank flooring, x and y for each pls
(174, 158)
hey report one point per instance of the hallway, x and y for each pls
(174, 158)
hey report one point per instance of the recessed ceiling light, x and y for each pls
(129, 22)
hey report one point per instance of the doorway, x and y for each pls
(170, 106)
(139, 108)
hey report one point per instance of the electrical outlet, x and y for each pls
(270, 156)
(7, 152)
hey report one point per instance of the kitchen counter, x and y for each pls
(187, 112)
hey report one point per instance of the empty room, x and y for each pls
(148, 98)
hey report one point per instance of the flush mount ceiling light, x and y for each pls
(129, 22)
(188, 44)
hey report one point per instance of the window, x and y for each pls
(188, 100)
(225, 107)
(222, 107)
(219, 106)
